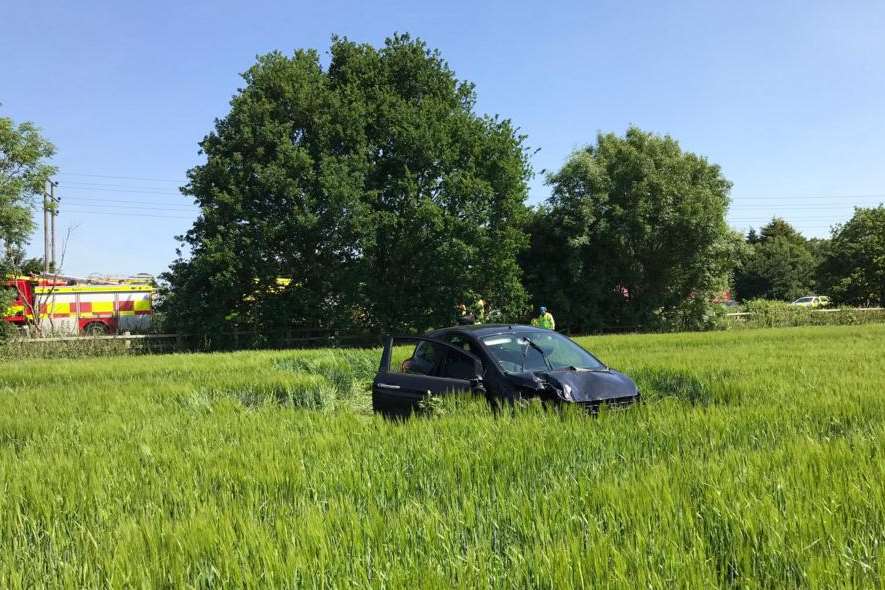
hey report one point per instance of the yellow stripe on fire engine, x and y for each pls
(142, 305)
(102, 307)
(94, 289)
(54, 307)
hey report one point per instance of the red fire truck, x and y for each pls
(64, 306)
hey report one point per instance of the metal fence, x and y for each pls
(166, 343)
(65, 346)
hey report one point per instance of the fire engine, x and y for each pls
(54, 305)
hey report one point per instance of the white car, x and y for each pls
(812, 301)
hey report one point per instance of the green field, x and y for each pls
(757, 462)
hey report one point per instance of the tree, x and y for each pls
(854, 264)
(634, 235)
(779, 228)
(781, 264)
(16, 261)
(372, 184)
(23, 176)
(776, 269)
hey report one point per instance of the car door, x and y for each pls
(434, 368)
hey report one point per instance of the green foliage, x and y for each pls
(779, 264)
(23, 175)
(372, 184)
(778, 228)
(17, 349)
(755, 462)
(634, 236)
(854, 263)
(778, 314)
(15, 261)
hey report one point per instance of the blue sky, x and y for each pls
(788, 97)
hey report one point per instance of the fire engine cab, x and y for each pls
(63, 306)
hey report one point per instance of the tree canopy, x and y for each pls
(854, 263)
(779, 264)
(372, 187)
(633, 235)
(24, 172)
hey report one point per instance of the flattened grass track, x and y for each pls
(756, 462)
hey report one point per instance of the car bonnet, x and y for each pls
(590, 386)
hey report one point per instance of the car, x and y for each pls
(503, 362)
(812, 301)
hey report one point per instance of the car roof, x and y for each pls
(482, 330)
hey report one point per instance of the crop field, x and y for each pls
(756, 462)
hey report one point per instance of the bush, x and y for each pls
(771, 314)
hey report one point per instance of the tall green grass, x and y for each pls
(757, 462)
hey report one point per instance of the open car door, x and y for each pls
(434, 368)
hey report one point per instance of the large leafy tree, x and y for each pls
(24, 172)
(780, 263)
(372, 184)
(854, 265)
(633, 236)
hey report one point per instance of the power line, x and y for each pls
(124, 191)
(758, 196)
(813, 207)
(765, 220)
(798, 226)
(85, 200)
(122, 214)
(803, 197)
(141, 178)
(137, 187)
(103, 186)
(736, 206)
(124, 207)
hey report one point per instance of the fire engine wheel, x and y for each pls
(95, 329)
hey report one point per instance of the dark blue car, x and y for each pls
(502, 362)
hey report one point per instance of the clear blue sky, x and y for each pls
(788, 97)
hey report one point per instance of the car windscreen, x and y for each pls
(804, 300)
(538, 351)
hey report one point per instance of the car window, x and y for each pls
(537, 351)
(459, 341)
(458, 365)
(804, 300)
(432, 359)
(422, 360)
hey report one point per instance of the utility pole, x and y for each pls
(52, 215)
(46, 230)
(50, 210)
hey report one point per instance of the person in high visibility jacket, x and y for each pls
(479, 310)
(544, 320)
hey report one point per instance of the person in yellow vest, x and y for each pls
(544, 320)
(479, 310)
